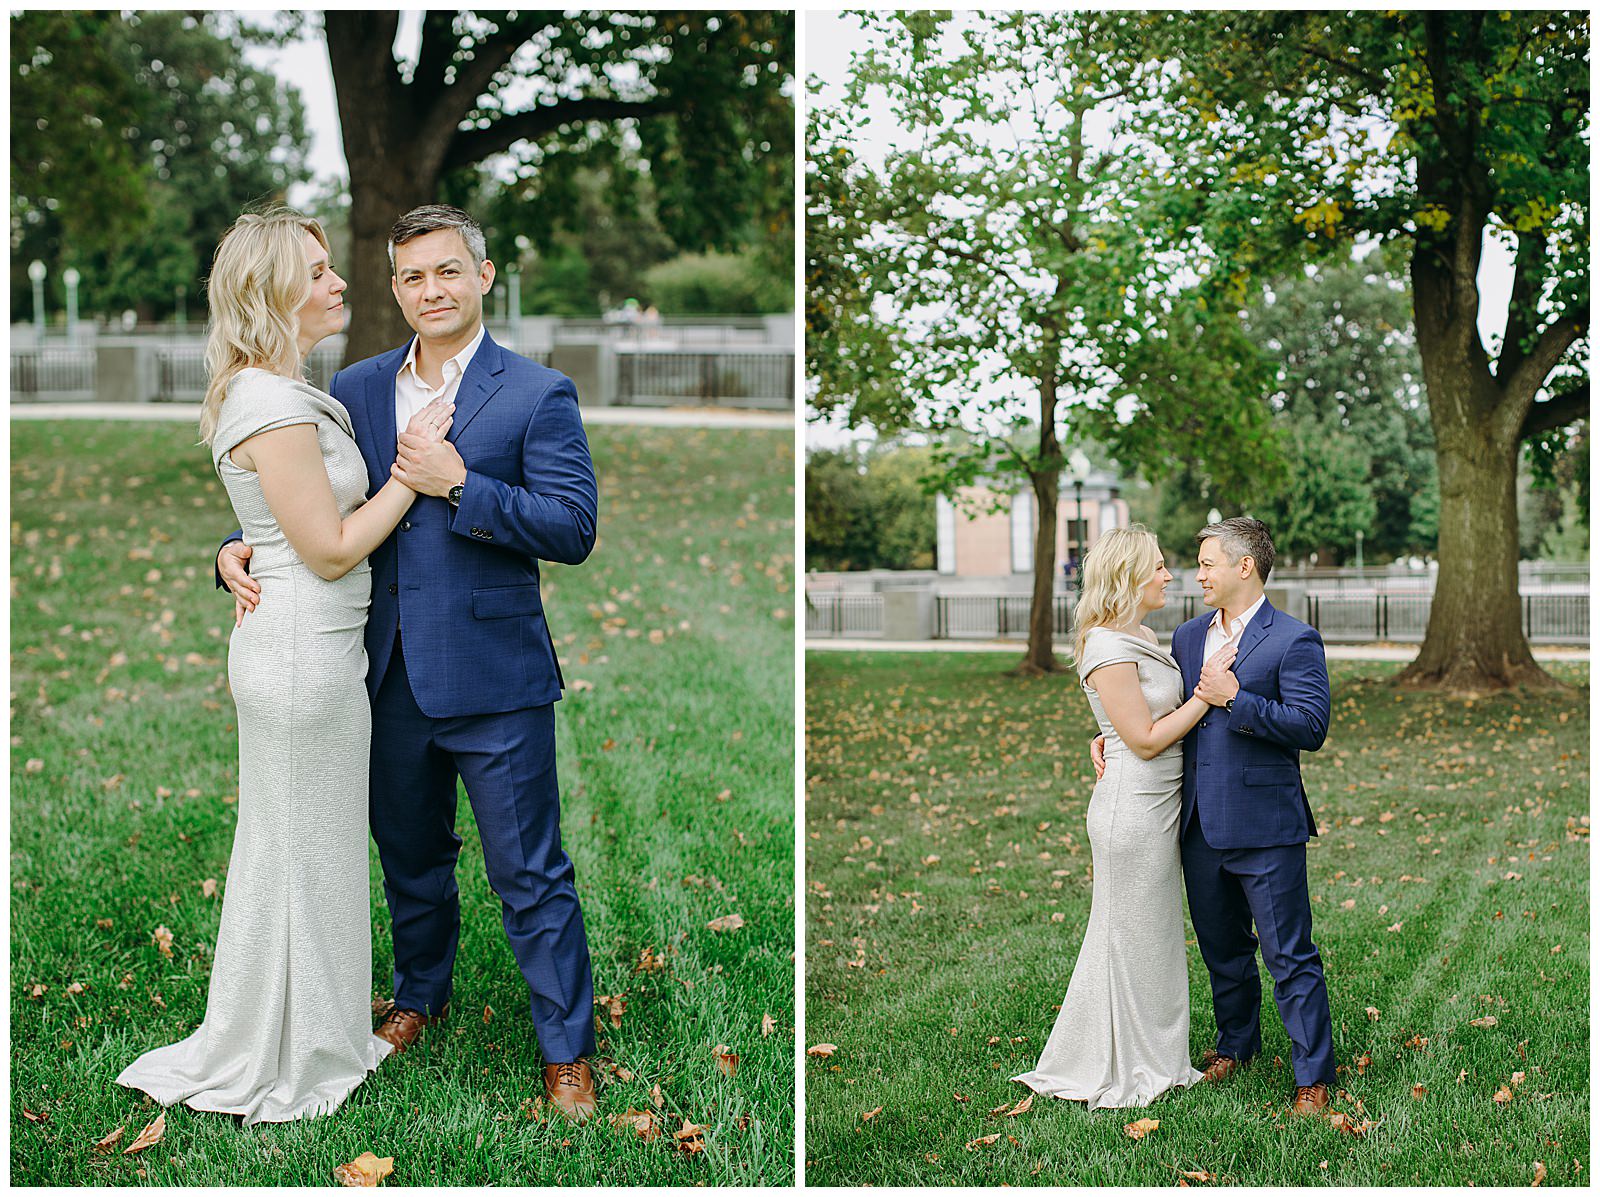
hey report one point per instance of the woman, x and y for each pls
(1122, 1037)
(287, 1032)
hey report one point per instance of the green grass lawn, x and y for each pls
(676, 749)
(948, 886)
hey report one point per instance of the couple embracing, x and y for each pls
(389, 639)
(1198, 765)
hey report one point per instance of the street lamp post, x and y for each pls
(1360, 536)
(1079, 465)
(36, 272)
(71, 277)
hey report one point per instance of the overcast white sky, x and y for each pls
(831, 38)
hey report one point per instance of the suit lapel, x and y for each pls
(1254, 634)
(1187, 659)
(478, 385)
(380, 412)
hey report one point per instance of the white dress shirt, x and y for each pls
(1217, 635)
(412, 394)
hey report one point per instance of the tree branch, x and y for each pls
(1563, 409)
(1554, 341)
(438, 45)
(474, 145)
(1522, 315)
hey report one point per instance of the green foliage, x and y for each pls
(1349, 388)
(868, 509)
(936, 780)
(675, 813)
(196, 136)
(714, 283)
(994, 281)
(1305, 131)
(669, 108)
(1328, 498)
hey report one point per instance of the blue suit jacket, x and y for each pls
(464, 582)
(1242, 770)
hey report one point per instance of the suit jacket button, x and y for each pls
(405, 525)
(393, 588)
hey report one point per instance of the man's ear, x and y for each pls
(486, 276)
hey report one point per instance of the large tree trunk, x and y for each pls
(1475, 642)
(376, 324)
(1046, 479)
(1041, 657)
(395, 154)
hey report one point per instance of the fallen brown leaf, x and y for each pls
(1343, 1122)
(33, 1117)
(1539, 1173)
(1502, 1095)
(1141, 1128)
(1488, 1020)
(615, 1007)
(824, 1050)
(1022, 1107)
(983, 1141)
(104, 1146)
(728, 922)
(767, 1025)
(364, 1172)
(1201, 1177)
(149, 1136)
(208, 887)
(163, 940)
(689, 1138)
(872, 1113)
(726, 1059)
(642, 1122)
(1419, 1091)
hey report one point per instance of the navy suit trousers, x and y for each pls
(1228, 890)
(508, 762)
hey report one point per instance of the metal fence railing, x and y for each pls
(181, 370)
(66, 372)
(1547, 618)
(682, 376)
(844, 614)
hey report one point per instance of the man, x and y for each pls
(1245, 818)
(462, 671)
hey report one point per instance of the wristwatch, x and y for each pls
(454, 497)
(1228, 706)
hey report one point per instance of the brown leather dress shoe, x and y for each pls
(570, 1088)
(404, 1027)
(1219, 1068)
(1310, 1101)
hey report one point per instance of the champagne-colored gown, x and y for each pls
(287, 1031)
(1122, 1037)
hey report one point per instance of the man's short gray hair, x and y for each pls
(432, 217)
(1241, 537)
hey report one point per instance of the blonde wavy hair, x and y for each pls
(1115, 569)
(257, 287)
